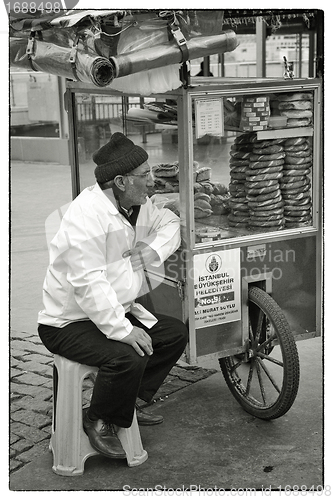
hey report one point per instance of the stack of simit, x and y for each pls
(295, 183)
(240, 154)
(262, 184)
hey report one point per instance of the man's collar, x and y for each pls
(131, 215)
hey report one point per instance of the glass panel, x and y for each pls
(295, 47)
(34, 105)
(149, 123)
(256, 174)
(241, 62)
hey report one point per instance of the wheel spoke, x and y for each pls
(274, 384)
(251, 332)
(259, 325)
(262, 390)
(266, 342)
(249, 380)
(234, 367)
(269, 358)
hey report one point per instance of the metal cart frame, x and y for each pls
(182, 287)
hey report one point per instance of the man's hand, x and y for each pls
(141, 255)
(139, 338)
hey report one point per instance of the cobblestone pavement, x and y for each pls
(31, 395)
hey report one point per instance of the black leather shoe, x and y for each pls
(103, 437)
(145, 418)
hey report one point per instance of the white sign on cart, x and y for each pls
(217, 287)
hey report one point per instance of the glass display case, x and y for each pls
(240, 162)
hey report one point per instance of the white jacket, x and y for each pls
(88, 278)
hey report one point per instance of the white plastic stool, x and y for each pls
(69, 443)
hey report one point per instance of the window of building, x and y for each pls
(34, 104)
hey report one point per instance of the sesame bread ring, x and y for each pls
(294, 141)
(289, 179)
(254, 203)
(266, 170)
(297, 213)
(241, 147)
(267, 218)
(274, 156)
(271, 206)
(303, 218)
(297, 147)
(300, 154)
(297, 196)
(294, 160)
(297, 224)
(264, 195)
(300, 202)
(240, 155)
(293, 185)
(265, 164)
(268, 150)
(296, 172)
(236, 192)
(236, 195)
(238, 163)
(294, 166)
(264, 177)
(262, 213)
(235, 182)
(279, 222)
(238, 224)
(263, 190)
(239, 169)
(298, 208)
(293, 191)
(240, 213)
(267, 143)
(239, 199)
(233, 218)
(261, 184)
(242, 207)
(245, 138)
(238, 176)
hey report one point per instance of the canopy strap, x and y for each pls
(180, 40)
(72, 57)
(30, 50)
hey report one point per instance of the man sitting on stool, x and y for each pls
(108, 234)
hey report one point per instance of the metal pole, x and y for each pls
(311, 53)
(261, 47)
(73, 149)
(63, 118)
(222, 64)
(300, 55)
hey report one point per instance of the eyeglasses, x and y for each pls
(146, 175)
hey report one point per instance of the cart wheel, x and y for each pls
(264, 379)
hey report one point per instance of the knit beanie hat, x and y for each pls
(117, 157)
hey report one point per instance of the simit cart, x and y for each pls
(241, 163)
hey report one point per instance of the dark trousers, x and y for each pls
(123, 374)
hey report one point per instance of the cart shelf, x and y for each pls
(277, 133)
(285, 133)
